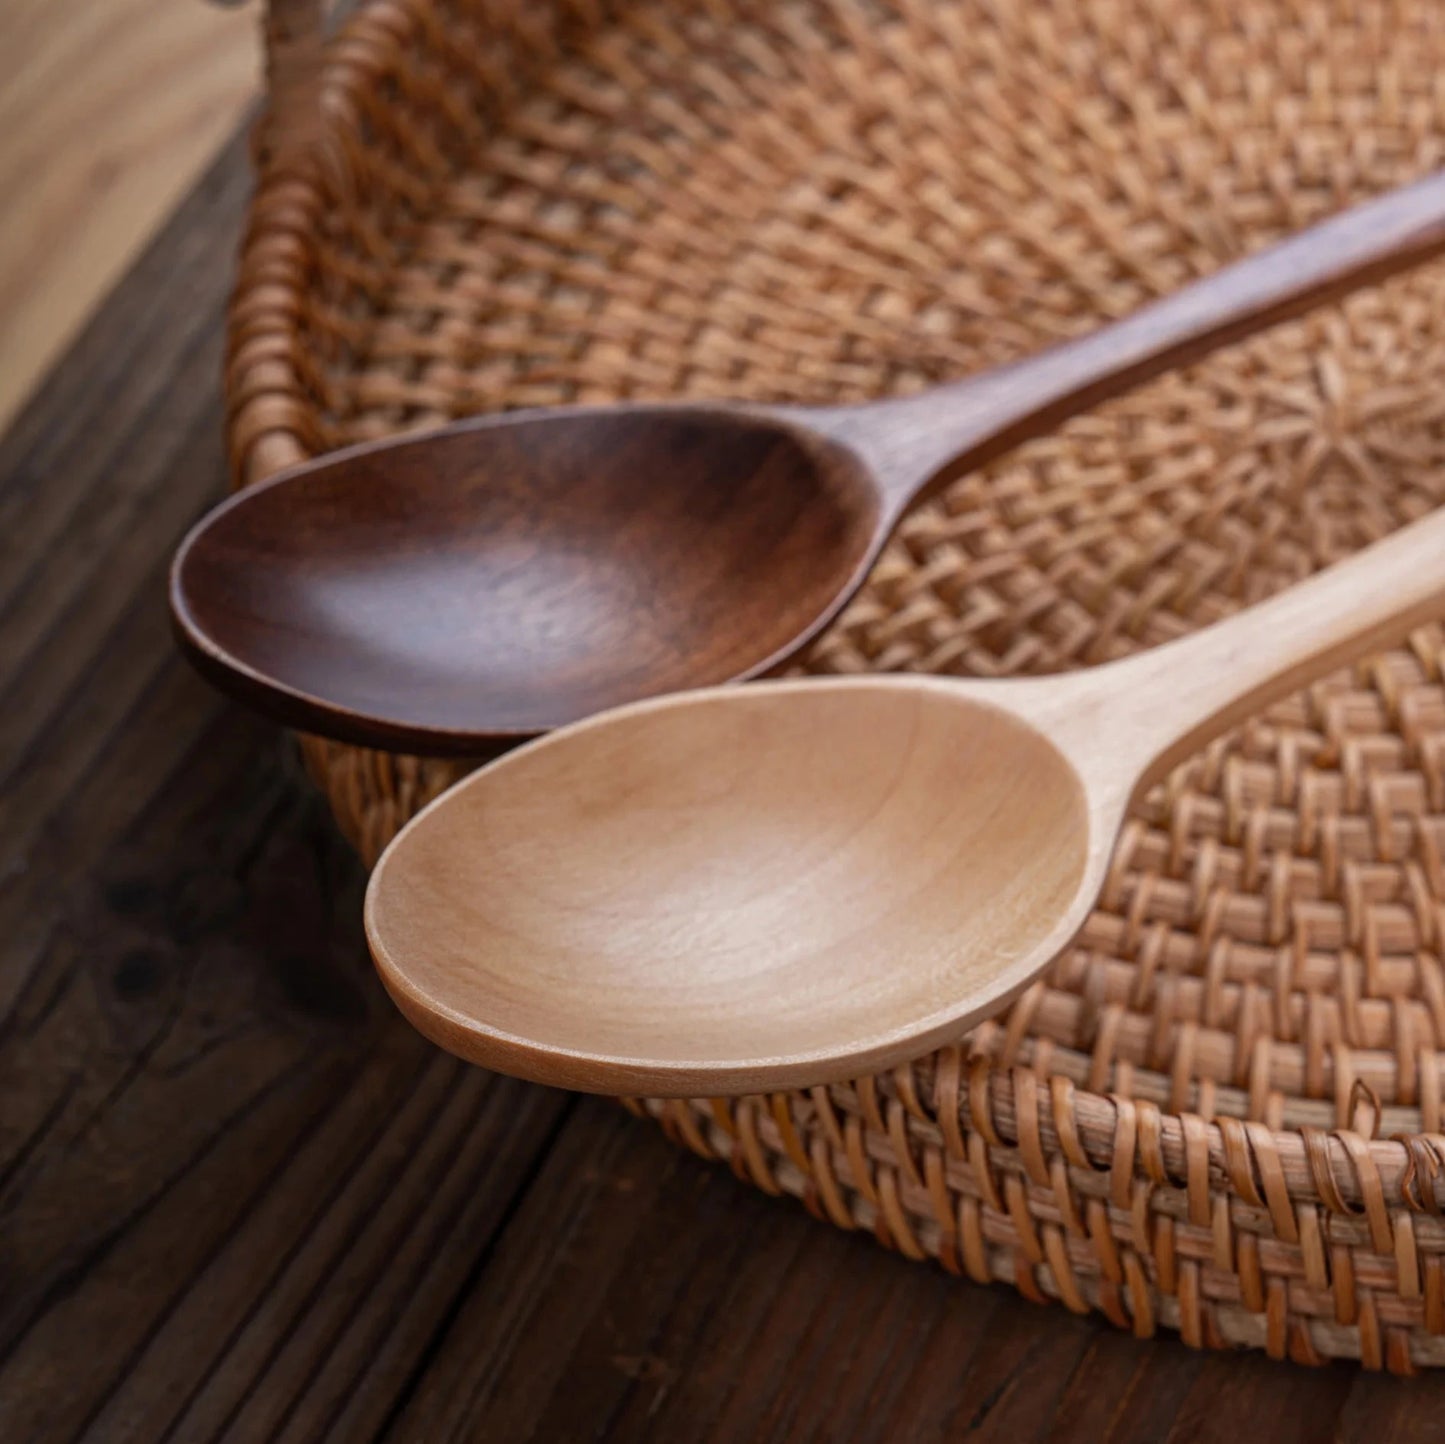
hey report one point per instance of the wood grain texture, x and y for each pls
(511, 574)
(240, 1200)
(108, 110)
(502, 576)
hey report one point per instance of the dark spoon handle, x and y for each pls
(919, 443)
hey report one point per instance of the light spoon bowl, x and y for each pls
(748, 889)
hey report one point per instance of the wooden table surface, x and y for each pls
(241, 1200)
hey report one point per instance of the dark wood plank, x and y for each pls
(240, 1200)
(638, 1293)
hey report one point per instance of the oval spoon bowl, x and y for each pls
(705, 898)
(403, 589)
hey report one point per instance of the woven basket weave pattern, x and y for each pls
(475, 206)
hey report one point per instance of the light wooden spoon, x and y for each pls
(455, 591)
(753, 888)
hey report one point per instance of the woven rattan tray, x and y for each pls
(1220, 1113)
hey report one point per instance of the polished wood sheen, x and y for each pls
(714, 893)
(480, 584)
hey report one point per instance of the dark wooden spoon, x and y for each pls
(447, 592)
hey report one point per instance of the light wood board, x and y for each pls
(108, 111)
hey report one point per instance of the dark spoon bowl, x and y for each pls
(404, 589)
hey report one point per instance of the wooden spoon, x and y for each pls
(754, 888)
(447, 592)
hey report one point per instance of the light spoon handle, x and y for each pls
(1144, 714)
